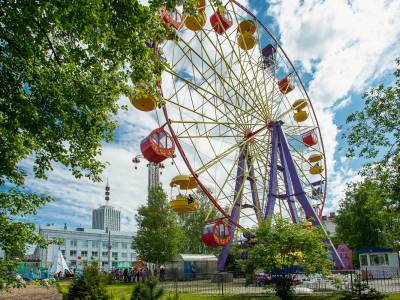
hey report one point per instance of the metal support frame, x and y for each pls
(293, 186)
(236, 207)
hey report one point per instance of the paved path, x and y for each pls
(32, 292)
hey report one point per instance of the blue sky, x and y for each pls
(341, 48)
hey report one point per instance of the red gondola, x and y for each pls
(221, 21)
(216, 233)
(310, 138)
(285, 85)
(158, 146)
(171, 19)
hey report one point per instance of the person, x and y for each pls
(162, 273)
(194, 272)
(125, 275)
(190, 199)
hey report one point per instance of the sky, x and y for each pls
(340, 48)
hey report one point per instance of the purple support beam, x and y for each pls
(271, 197)
(288, 187)
(300, 194)
(253, 186)
(236, 207)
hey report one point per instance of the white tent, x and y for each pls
(59, 264)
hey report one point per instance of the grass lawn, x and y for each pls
(124, 291)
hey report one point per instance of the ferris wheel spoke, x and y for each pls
(231, 72)
(205, 91)
(220, 77)
(261, 103)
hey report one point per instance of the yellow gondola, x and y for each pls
(185, 182)
(315, 158)
(316, 169)
(196, 22)
(183, 204)
(246, 41)
(247, 26)
(142, 100)
(300, 116)
(201, 5)
(299, 104)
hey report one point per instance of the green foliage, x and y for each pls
(377, 127)
(91, 285)
(369, 214)
(359, 221)
(63, 67)
(147, 290)
(279, 243)
(158, 237)
(192, 225)
(361, 291)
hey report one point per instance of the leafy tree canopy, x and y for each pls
(369, 215)
(376, 129)
(363, 219)
(278, 244)
(158, 237)
(63, 67)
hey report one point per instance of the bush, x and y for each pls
(91, 285)
(148, 290)
(361, 291)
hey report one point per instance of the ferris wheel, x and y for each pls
(237, 123)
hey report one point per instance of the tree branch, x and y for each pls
(48, 41)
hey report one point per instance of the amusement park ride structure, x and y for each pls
(241, 121)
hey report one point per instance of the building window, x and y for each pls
(63, 253)
(133, 256)
(84, 243)
(104, 254)
(124, 255)
(377, 260)
(115, 255)
(73, 243)
(124, 245)
(84, 253)
(115, 245)
(72, 263)
(72, 252)
(364, 260)
(104, 244)
(94, 254)
(95, 244)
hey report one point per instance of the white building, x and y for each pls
(106, 216)
(329, 224)
(83, 245)
(379, 262)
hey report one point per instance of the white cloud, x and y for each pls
(344, 46)
(343, 103)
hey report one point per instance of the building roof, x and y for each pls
(198, 257)
(81, 229)
(374, 250)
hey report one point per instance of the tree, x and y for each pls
(279, 245)
(362, 220)
(374, 134)
(91, 285)
(192, 225)
(63, 67)
(158, 237)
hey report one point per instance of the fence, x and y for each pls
(385, 281)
